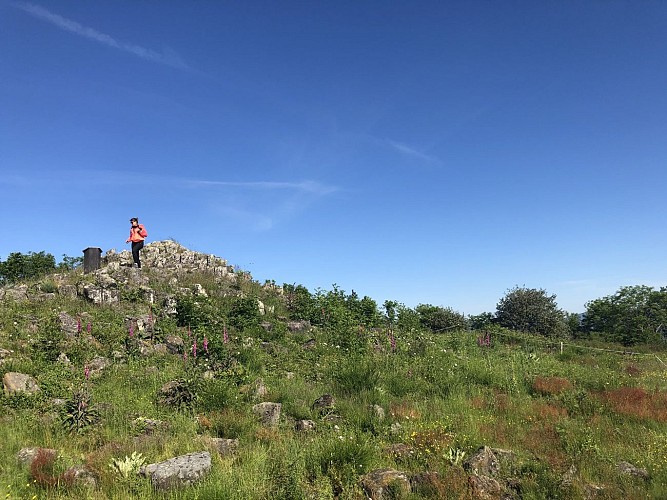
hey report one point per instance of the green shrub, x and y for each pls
(79, 413)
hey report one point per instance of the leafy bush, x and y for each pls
(531, 310)
(633, 315)
(440, 319)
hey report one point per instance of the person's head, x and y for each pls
(134, 221)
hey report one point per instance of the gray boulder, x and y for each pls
(384, 484)
(19, 382)
(26, 456)
(268, 413)
(626, 468)
(304, 425)
(224, 447)
(179, 471)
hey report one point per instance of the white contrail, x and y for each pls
(407, 150)
(307, 186)
(170, 59)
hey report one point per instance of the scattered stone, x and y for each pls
(98, 364)
(627, 468)
(324, 403)
(289, 375)
(483, 462)
(174, 344)
(199, 290)
(98, 295)
(17, 293)
(147, 425)
(399, 451)
(25, 456)
(19, 382)
(484, 487)
(304, 425)
(268, 413)
(309, 344)
(298, 326)
(68, 291)
(178, 471)
(83, 476)
(266, 326)
(383, 484)
(224, 447)
(260, 390)
(378, 412)
(160, 349)
(169, 306)
(68, 325)
(5, 353)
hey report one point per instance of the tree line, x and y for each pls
(633, 315)
(20, 267)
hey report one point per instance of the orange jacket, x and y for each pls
(137, 234)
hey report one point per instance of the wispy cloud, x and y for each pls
(414, 153)
(304, 186)
(167, 57)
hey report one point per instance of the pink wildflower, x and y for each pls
(89, 327)
(78, 325)
(194, 348)
(86, 372)
(205, 344)
(225, 335)
(131, 330)
(392, 341)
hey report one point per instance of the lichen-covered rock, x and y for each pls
(178, 471)
(268, 413)
(384, 484)
(224, 447)
(19, 382)
(26, 456)
(304, 425)
(629, 469)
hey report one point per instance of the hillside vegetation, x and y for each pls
(313, 395)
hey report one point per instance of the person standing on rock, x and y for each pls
(138, 234)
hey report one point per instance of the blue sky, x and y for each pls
(436, 152)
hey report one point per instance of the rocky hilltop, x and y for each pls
(166, 264)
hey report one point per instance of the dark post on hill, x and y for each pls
(92, 256)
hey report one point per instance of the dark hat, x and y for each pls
(134, 219)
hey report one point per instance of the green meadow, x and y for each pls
(567, 409)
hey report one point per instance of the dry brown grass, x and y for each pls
(637, 402)
(404, 411)
(42, 471)
(551, 385)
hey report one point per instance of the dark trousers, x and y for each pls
(136, 246)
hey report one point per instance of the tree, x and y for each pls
(439, 319)
(20, 266)
(633, 315)
(531, 310)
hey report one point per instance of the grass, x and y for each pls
(443, 396)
